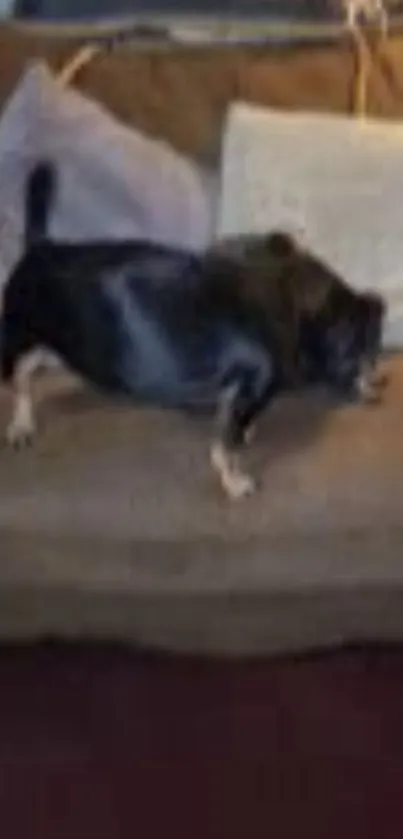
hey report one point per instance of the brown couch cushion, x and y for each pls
(113, 525)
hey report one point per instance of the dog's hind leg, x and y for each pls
(241, 403)
(22, 426)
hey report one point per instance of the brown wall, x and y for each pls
(182, 94)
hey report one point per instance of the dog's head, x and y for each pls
(350, 327)
(338, 331)
(325, 331)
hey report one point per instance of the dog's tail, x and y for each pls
(39, 197)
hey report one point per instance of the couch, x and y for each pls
(112, 525)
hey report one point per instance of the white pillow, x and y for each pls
(336, 181)
(114, 181)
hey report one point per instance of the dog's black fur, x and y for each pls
(326, 332)
(176, 329)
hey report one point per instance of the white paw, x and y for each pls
(250, 434)
(238, 485)
(368, 391)
(19, 434)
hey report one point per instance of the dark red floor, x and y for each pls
(99, 743)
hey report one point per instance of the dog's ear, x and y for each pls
(375, 304)
(280, 245)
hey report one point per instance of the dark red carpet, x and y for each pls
(102, 743)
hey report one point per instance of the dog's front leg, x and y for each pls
(235, 482)
(239, 407)
(22, 426)
(370, 385)
(225, 456)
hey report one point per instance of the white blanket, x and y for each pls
(335, 182)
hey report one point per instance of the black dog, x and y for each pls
(222, 331)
